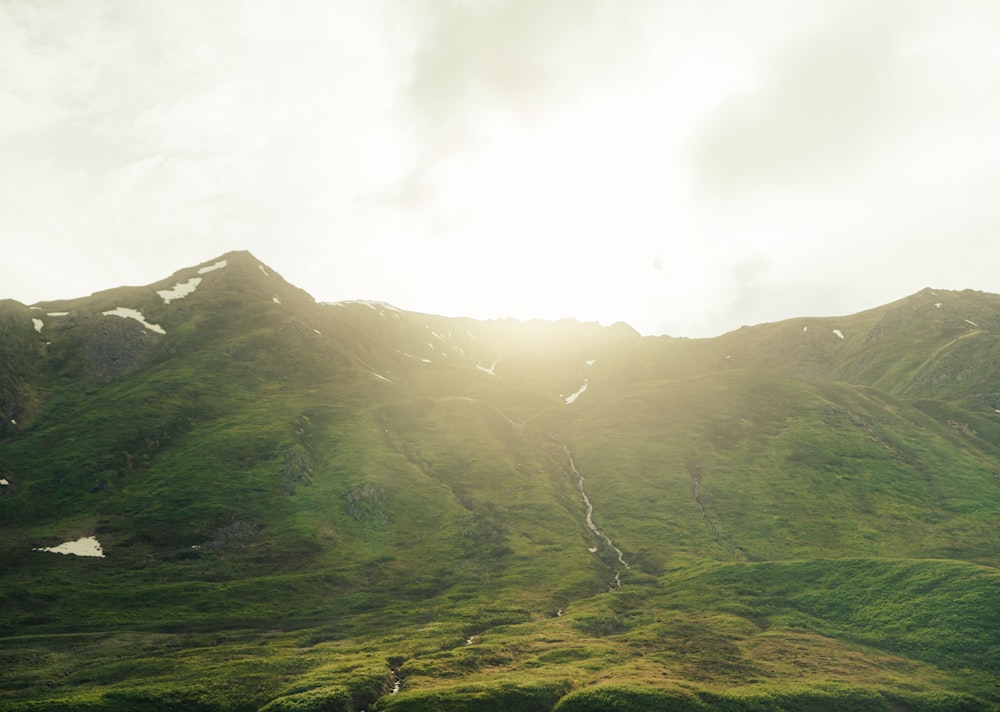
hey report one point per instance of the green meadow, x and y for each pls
(349, 507)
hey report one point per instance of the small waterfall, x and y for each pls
(616, 583)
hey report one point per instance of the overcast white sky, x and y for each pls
(686, 166)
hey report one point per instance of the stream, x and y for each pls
(617, 582)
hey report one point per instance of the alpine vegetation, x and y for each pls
(261, 502)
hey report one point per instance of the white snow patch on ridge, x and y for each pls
(489, 370)
(84, 546)
(971, 322)
(58, 314)
(38, 324)
(837, 332)
(179, 290)
(573, 396)
(126, 313)
(211, 268)
(374, 306)
(4, 483)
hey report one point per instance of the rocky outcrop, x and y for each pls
(297, 470)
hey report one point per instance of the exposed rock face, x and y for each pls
(364, 503)
(230, 536)
(8, 406)
(297, 470)
(19, 359)
(116, 347)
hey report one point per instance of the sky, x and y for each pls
(685, 166)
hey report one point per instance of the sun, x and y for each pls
(568, 215)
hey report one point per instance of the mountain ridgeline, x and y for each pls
(218, 494)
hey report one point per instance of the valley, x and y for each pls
(307, 506)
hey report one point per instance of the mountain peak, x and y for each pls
(235, 275)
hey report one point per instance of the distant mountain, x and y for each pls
(218, 494)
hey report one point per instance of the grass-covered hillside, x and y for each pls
(304, 506)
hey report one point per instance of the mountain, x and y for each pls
(278, 504)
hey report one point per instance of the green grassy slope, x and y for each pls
(305, 505)
(750, 466)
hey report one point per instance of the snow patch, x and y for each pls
(837, 332)
(374, 306)
(58, 314)
(211, 268)
(805, 328)
(591, 362)
(266, 273)
(4, 483)
(179, 290)
(426, 360)
(489, 370)
(573, 396)
(275, 300)
(937, 304)
(381, 377)
(971, 322)
(38, 324)
(84, 546)
(318, 332)
(126, 313)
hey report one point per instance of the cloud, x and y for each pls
(825, 100)
(514, 53)
(473, 63)
(158, 126)
(509, 156)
